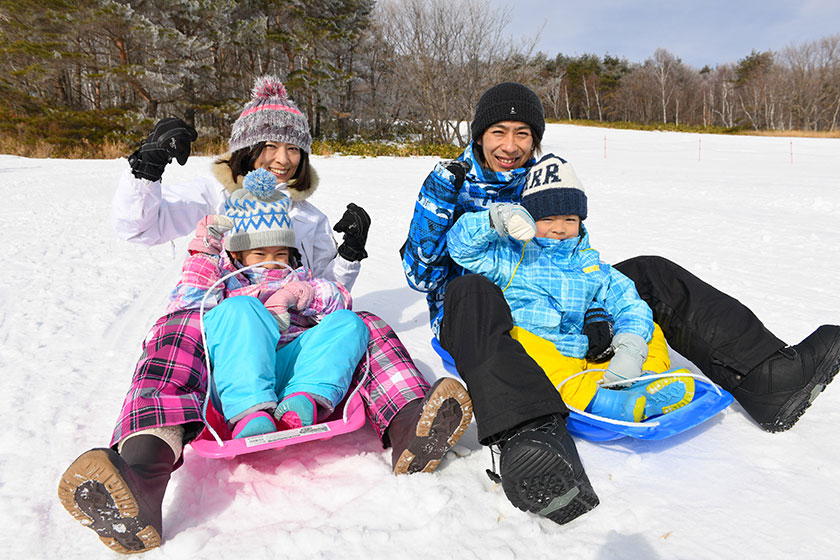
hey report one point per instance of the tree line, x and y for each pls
(388, 70)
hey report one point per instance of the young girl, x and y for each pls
(539, 254)
(268, 377)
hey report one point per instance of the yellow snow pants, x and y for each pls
(579, 391)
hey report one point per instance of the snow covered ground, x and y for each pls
(76, 302)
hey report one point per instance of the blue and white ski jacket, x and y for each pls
(425, 259)
(550, 289)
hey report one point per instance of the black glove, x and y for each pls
(171, 138)
(354, 224)
(598, 329)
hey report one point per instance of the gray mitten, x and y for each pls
(513, 220)
(630, 353)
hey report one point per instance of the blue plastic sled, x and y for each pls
(708, 401)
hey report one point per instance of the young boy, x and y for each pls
(539, 254)
(269, 329)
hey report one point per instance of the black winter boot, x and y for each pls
(120, 496)
(425, 429)
(779, 390)
(542, 473)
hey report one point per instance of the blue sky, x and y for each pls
(709, 32)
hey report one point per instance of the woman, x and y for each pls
(118, 491)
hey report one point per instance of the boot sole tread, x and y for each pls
(537, 479)
(446, 415)
(94, 492)
(793, 409)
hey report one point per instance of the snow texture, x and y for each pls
(743, 214)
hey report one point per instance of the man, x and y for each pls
(516, 408)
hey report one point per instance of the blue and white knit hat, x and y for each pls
(553, 189)
(270, 116)
(260, 214)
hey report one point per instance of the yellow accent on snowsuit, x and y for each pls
(580, 391)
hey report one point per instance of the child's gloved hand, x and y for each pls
(294, 295)
(598, 329)
(302, 292)
(513, 220)
(208, 234)
(630, 353)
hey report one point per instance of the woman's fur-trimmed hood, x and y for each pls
(221, 171)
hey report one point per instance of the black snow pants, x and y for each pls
(716, 332)
(506, 385)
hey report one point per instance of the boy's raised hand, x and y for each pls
(208, 234)
(513, 220)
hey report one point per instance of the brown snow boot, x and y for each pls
(119, 496)
(425, 429)
(779, 390)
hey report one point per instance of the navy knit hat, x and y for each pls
(508, 101)
(260, 214)
(553, 189)
(270, 116)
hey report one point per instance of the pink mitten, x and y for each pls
(280, 301)
(208, 234)
(303, 293)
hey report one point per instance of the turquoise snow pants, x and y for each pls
(249, 369)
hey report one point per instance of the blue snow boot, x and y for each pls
(664, 394)
(255, 424)
(623, 404)
(295, 411)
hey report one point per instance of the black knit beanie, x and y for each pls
(508, 101)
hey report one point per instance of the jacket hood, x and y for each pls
(221, 171)
(565, 246)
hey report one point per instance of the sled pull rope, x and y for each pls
(646, 376)
(210, 384)
(522, 256)
(358, 386)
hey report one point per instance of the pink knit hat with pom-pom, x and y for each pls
(270, 116)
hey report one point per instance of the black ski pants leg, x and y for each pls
(713, 330)
(506, 385)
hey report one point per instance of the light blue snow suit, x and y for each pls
(553, 285)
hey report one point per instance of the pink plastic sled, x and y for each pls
(348, 417)
(215, 440)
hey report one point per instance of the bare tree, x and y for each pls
(446, 54)
(664, 67)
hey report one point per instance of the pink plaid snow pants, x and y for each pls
(170, 380)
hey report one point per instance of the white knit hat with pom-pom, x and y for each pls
(260, 214)
(270, 116)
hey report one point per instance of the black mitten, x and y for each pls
(171, 138)
(354, 224)
(598, 328)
